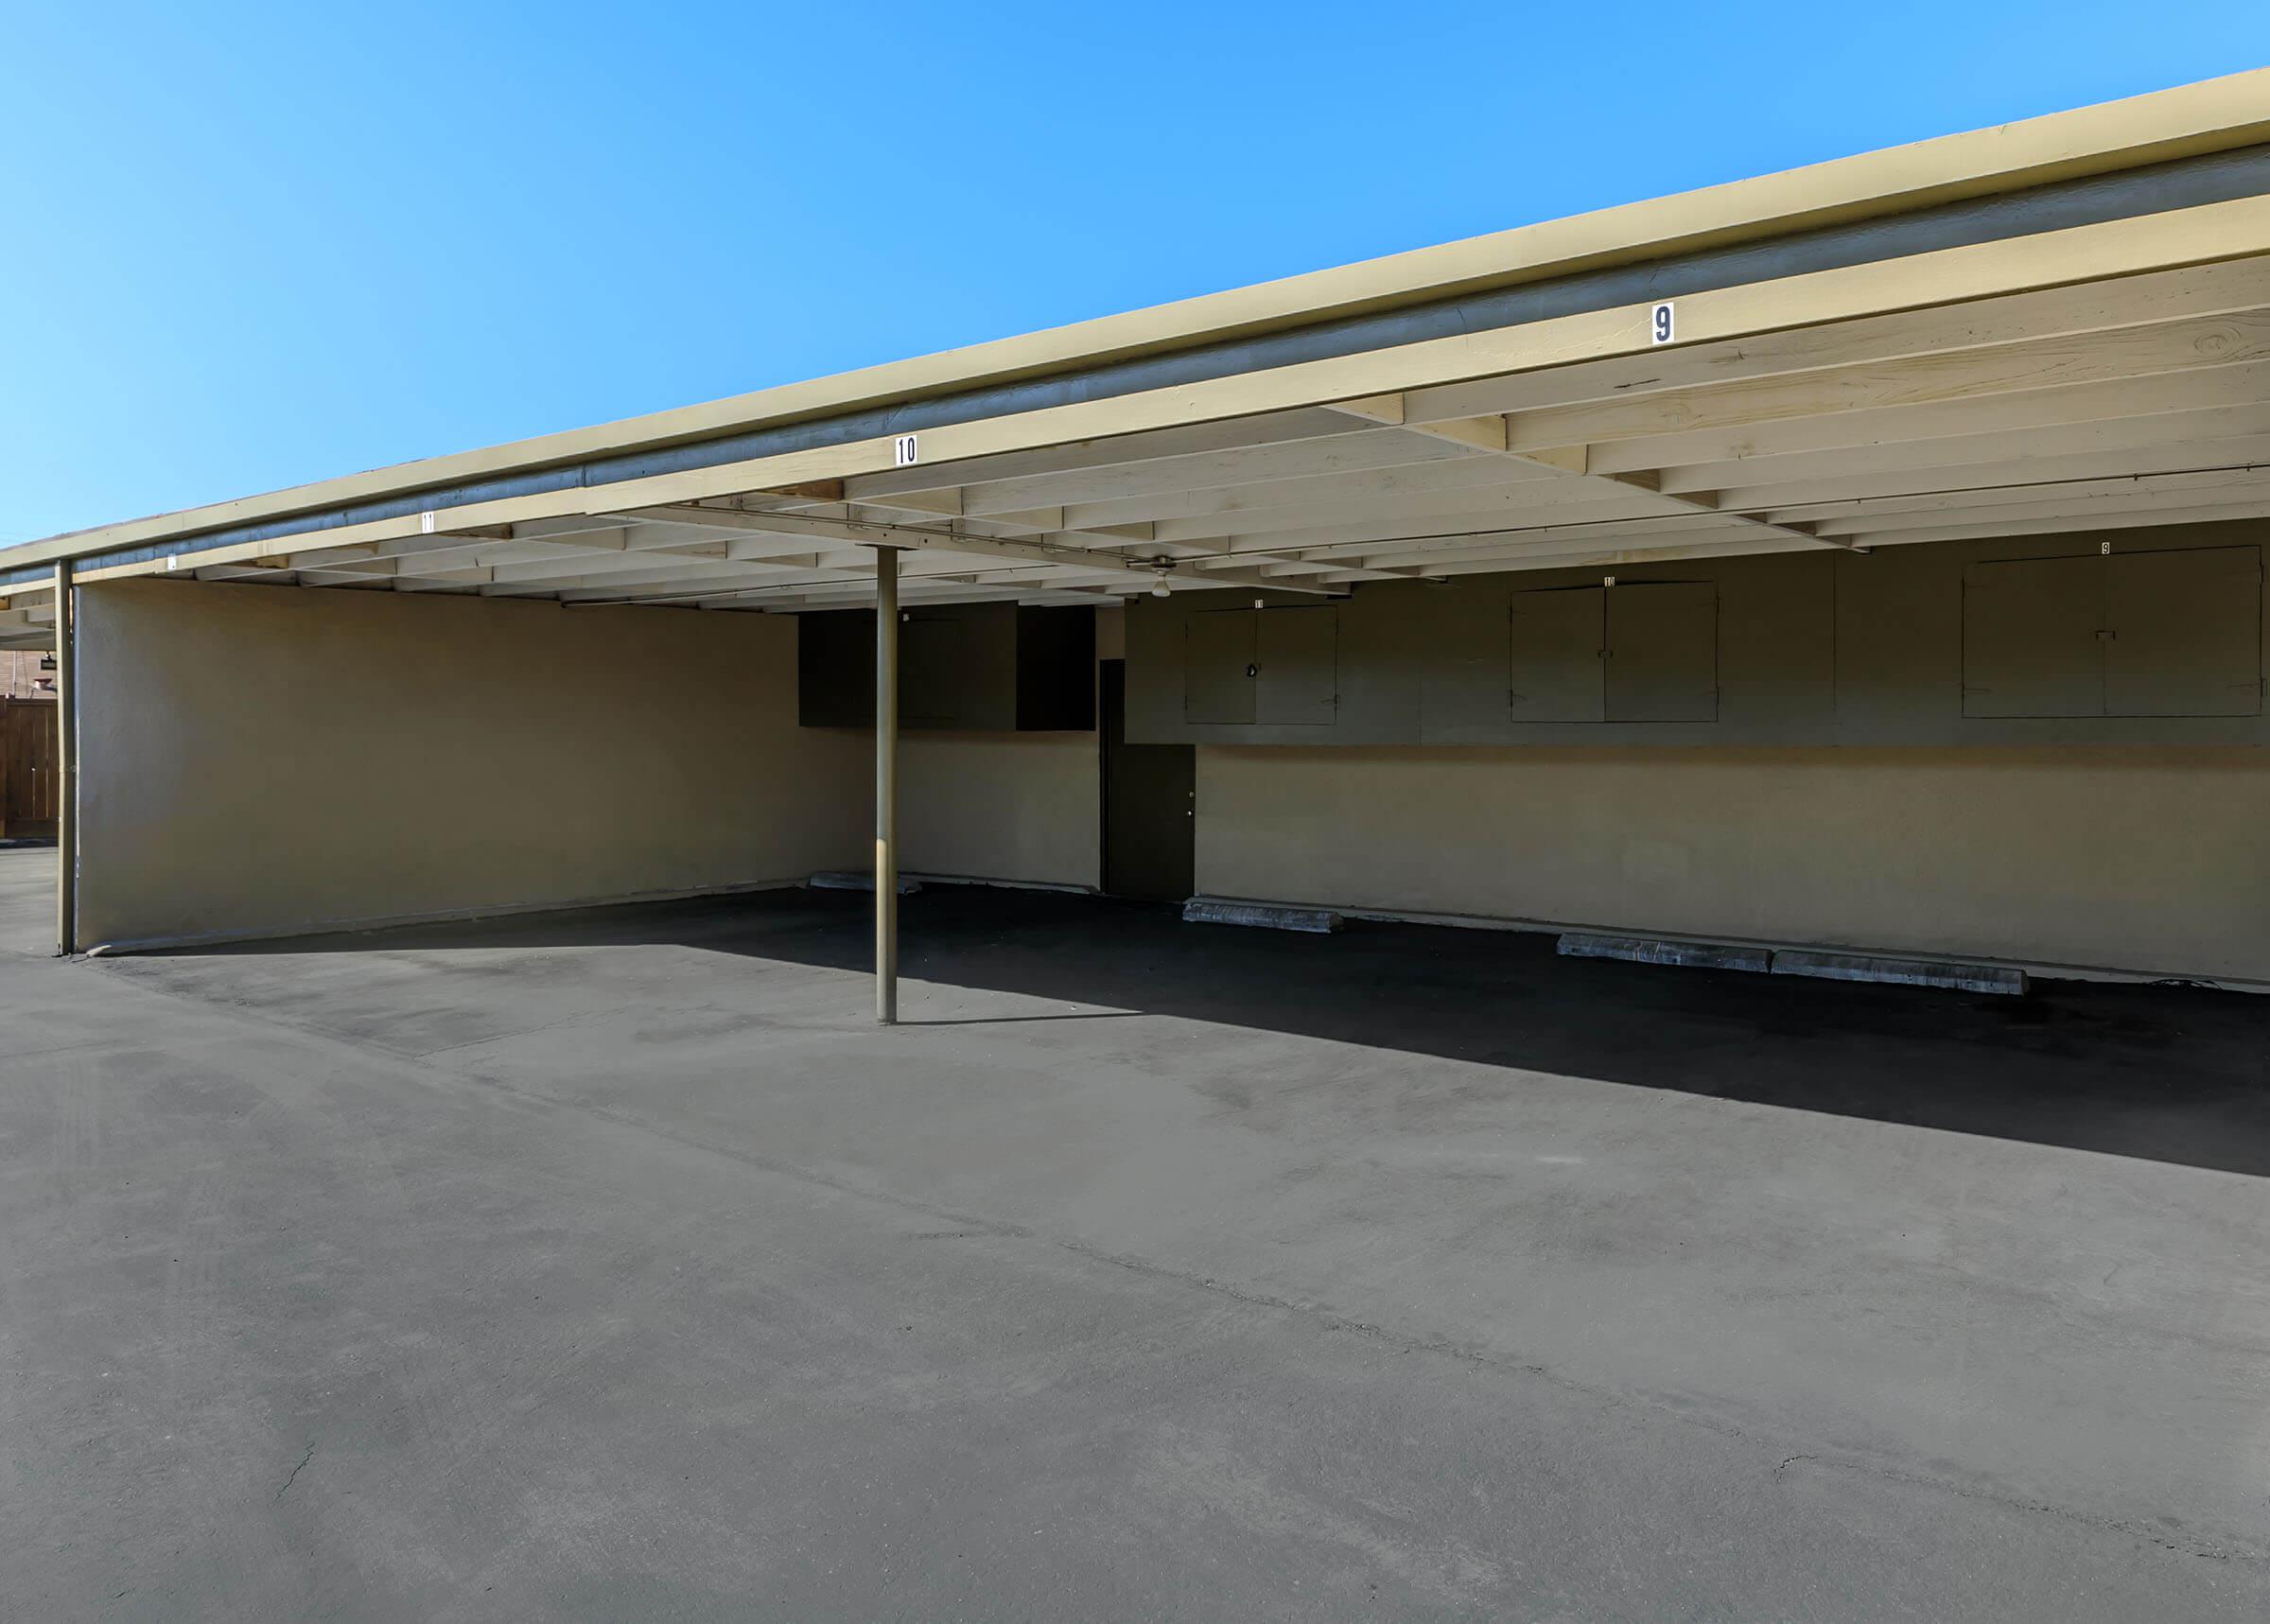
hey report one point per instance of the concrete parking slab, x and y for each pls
(611, 1264)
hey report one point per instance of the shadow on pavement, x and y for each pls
(2167, 1073)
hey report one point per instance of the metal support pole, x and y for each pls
(886, 785)
(66, 762)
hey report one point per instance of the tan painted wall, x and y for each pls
(1001, 806)
(2141, 859)
(260, 758)
(1006, 806)
(444, 753)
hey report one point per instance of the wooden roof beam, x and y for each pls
(1495, 435)
(1707, 502)
(870, 533)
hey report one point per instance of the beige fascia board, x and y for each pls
(2080, 254)
(2188, 121)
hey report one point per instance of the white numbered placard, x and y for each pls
(1659, 322)
(902, 451)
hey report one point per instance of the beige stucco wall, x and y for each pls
(259, 759)
(264, 760)
(1001, 806)
(2141, 859)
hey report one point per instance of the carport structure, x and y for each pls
(1714, 566)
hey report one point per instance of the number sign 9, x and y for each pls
(1660, 324)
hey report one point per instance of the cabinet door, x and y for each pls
(1297, 652)
(1663, 652)
(835, 669)
(1056, 669)
(930, 673)
(1553, 666)
(2183, 633)
(1218, 667)
(2030, 645)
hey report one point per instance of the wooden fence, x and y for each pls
(28, 776)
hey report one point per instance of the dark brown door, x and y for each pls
(29, 779)
(1150, 805)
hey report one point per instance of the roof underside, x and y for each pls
(2094, 376)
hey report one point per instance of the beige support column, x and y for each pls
(66, 762)
(886, 785)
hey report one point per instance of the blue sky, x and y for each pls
(247, 246)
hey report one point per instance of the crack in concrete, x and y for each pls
(294, 1477)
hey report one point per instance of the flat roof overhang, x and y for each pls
(2053, 325)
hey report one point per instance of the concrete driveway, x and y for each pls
(612, 1266)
